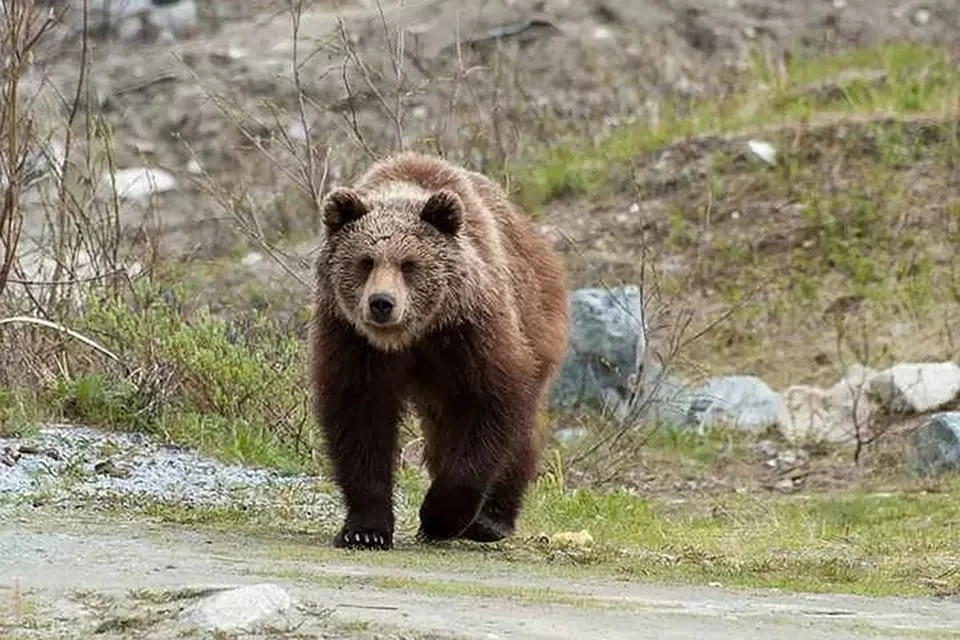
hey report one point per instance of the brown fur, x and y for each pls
(472, 336)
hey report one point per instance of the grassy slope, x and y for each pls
(236, 390)
(861, 214)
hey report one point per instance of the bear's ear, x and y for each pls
(341, 206)
(443, 210)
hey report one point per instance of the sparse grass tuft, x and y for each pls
(900, 79)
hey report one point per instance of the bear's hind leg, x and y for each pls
(481, 478)
(498, 516)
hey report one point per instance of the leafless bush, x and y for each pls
(60, 219)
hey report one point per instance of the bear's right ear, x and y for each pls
(341, 206)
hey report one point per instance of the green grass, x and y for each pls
(917, 80)
(231, 388)
(904, 542)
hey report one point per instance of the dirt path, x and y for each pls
(71, 577)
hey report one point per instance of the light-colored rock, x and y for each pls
(139, 183)
(936, 445)
(136, 19)
(807, 414)
(741, 402)
(917, 387)
(763, 150)
(661, 398)
(243, 608)
(607, 345)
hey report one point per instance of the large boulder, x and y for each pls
(917, 387)
(936, 445)
(807, 414)
(607, 345)
(740, 402)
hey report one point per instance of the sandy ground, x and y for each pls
(68, 577)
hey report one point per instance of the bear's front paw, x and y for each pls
(447, 511)
(363, 538)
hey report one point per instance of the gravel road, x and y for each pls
(69, 576)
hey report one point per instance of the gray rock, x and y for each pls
(607, 345)
(244, 608)
(661, 398)
(936, 445)
(917, 387)
(130, 20)
(742, 402)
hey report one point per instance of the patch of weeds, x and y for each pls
(167, 596)
(235, 391)
(20, 611)
(852, 541)
(914, 79)
(18, 414)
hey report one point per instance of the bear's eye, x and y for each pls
(365, 264)
(408, 266)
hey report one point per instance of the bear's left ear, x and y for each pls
(443, 210)
(341, 206)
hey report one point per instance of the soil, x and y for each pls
(522, 73)
(147, 574)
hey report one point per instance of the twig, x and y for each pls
(70, 332)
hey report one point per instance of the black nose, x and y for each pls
(381, 306)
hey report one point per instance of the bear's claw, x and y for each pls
(349, 538)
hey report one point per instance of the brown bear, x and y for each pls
(433, 291)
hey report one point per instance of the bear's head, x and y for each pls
(393, 260)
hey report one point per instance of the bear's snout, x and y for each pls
(381, 307)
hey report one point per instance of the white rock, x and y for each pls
(140, 182)
(242, 608)
(809, 414)
(917, 387)
(921, 17)
(763, 150)
(252, 259)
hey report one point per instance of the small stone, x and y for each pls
(936, 445)
(139, 183)
(634, 208)
(296, 131)
(110, 468)
(243, 608)
(193, 166)
(252, 259)
(785, 485)
(569, 436)
(917, 387)
(763, 150)
(921, 17)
